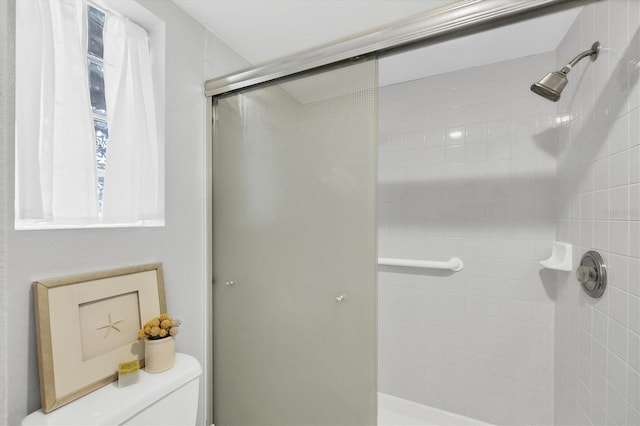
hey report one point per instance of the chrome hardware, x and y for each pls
(230, 283)
(592, 274)
(586, 273)
(340, 298)
(551, 86)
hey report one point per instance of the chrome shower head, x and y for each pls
(550, 87)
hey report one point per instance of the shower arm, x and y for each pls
(593, 52)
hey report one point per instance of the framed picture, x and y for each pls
(88, 324)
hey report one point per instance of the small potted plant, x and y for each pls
(159, 345)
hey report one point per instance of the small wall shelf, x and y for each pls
(561, 257)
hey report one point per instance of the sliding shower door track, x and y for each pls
(458, 18)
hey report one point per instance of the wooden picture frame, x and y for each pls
(88, 324)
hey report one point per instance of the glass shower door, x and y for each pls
(295, 251)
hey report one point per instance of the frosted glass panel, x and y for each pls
(294, 229)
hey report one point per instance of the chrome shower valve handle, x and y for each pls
(592, 274)
(585, 274)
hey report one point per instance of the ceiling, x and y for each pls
(265, 30)
(517, 40)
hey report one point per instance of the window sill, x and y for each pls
(38, 226)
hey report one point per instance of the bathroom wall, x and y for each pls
(29, 255)
(6, 133)
(467, 168)
(597, 341)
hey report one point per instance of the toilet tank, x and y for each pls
(167, 398)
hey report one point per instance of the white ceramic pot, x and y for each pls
(159, 355)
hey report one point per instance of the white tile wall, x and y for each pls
(597, 358)
(468, 170)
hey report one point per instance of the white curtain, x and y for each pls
(55, 151)
(132, 178)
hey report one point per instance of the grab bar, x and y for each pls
(454, 264)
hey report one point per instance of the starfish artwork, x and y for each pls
(110, 325)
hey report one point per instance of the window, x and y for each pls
(95, 65)
(89, 147)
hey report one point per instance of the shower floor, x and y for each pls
(393, 411)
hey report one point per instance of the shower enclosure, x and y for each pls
(468, 170)
(474, 165)
(471, 165)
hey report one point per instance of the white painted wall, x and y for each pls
(220, 59)
(597, 341)
(6, 134)
(467, 169)
(180, 245)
